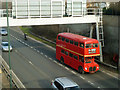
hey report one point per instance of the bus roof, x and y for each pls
(78, 38)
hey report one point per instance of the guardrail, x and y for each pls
(16, 83)
(105, 64)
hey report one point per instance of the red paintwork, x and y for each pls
(77, 50)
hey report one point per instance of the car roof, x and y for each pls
(66, 82)
(4, 42)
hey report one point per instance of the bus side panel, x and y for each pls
(58, 50)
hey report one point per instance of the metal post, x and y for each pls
(91, 31)
(10, 70)
(28, 7)
(51, 8)
(40, 7)
(97, 32)
(72, 8)
(16, 8)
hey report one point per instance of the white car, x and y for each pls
(64, 83)
(4, 32)
(5, 46)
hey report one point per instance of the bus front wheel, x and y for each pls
(80, 70)
(62, 60)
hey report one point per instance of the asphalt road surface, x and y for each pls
(36, 66)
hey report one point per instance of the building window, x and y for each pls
(82, 45)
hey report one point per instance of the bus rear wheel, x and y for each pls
(62, 60)
(80, 70)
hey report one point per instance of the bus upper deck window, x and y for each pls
(63, 38)
(71, 41)
(88, 45)
(95, 45)
(59, 37)
(67, 40)
(82, 45)
(76, 43)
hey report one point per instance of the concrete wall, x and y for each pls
(111, 34)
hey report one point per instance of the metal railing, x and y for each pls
(84, 12)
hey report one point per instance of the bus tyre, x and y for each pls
(80, 70)
(62, 60)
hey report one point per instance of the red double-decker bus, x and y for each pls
(77, 51)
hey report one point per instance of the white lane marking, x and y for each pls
(82, 77)
(30, 62)
(41, 53)
(38, 51)
(73, 72)
(26, 44)
(45, 55)
(31, 47)
(98, 87)
(110, 75)
(67, 68)
(60, 64)
(34, 49)
(54, 61)
(50, 58)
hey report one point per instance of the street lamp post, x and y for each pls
(9, 45)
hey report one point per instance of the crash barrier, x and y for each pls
(97, 60)
(16, 83)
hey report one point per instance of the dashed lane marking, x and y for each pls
(50, 58)
(41, 53)
(82, 77)
(45, 55)
(30, 62)
(73, 72)
(67, 68)
(38, 51)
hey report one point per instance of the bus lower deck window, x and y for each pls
(70, 54)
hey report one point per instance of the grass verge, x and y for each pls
(27, 29)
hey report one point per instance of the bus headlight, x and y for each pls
(85, 68)
(97, 67)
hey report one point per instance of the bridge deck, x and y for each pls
(48, 21)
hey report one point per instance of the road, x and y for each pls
(36, 66)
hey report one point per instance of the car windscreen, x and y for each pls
(5, 44)
(73, 88)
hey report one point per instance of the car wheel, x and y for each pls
(80, 70)
(62, 60)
